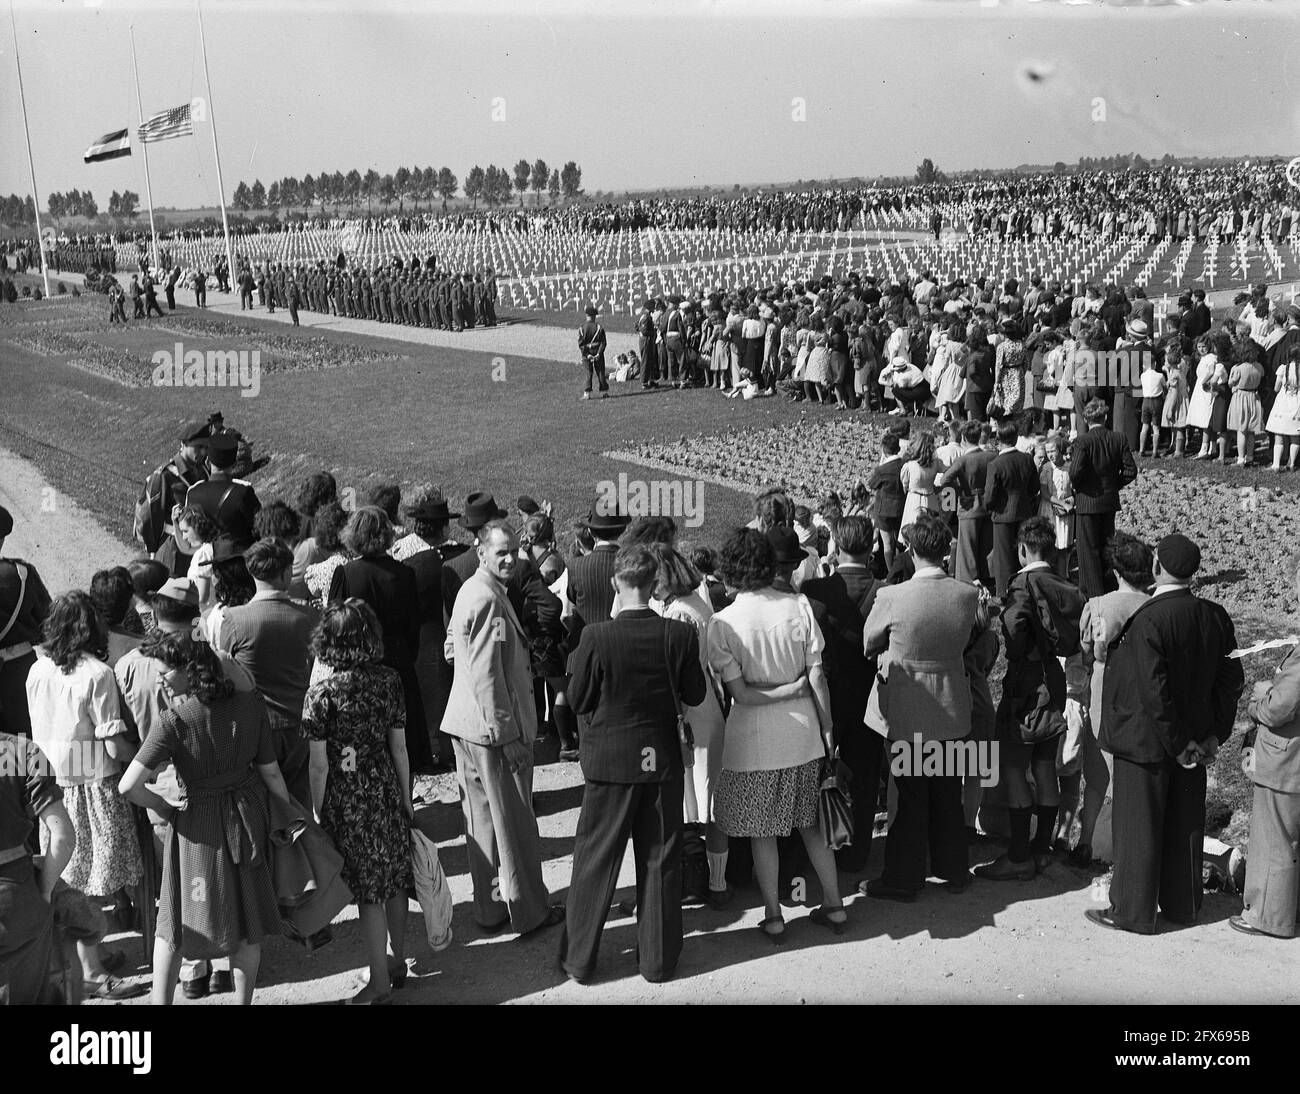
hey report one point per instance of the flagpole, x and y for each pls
(144, 147)
(31, 164)
(231, 272)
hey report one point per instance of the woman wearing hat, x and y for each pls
(1010, 371)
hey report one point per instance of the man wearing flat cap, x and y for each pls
(1169, 699)
(167, 486)
(23, 607)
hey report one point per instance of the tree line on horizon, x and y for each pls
(492, 185)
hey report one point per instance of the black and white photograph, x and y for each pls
(693, 502)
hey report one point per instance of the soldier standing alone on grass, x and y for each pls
(591, 344)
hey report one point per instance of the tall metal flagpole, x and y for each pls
(144, 147)
(231, 272)
(31, 165)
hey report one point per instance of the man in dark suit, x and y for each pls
(1169, 698)
(1010, 497)
(591, 589)
(629, 673)
(1198, 320)
(1101, 466)
(841, 604)
(968, 475)
(887, 496)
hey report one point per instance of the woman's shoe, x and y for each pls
(110, 987)
(822, 917)
(777, 938)
(397, 976)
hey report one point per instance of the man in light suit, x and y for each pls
(1271, 757)
(493, 722)
(625, 673)
(1169, 698)
(921, 629)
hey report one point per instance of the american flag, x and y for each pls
(170, 123)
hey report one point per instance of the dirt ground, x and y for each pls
(1012, 942)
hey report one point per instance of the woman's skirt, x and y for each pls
(1174, 414)
(765, 804)
(106, 856)
(1219, 414)
(720, 360)
(818, 370)
(209, 904)
(1245, 415)
(1200, 407)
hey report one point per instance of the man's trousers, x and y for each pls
(505, 858)
(650, 814)
(1158, 816)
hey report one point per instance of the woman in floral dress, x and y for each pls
(1010, 369)
(817, 374)
(360, 782)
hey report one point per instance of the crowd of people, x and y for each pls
(981, 351)
(289, 665)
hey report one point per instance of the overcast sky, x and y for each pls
(643, 94)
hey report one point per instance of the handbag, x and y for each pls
(685, 736)
(835, 803)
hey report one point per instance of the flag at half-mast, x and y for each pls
(109, 147)
(170, 123)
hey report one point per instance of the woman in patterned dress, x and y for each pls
(360, 780)
(326, 529)
(817, 373)
(218, 898)
(77, 723)
(766, 648)
(1010, 370)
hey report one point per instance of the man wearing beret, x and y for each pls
(1169, 698)
(23, 606)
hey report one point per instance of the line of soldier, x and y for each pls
(413, 296)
